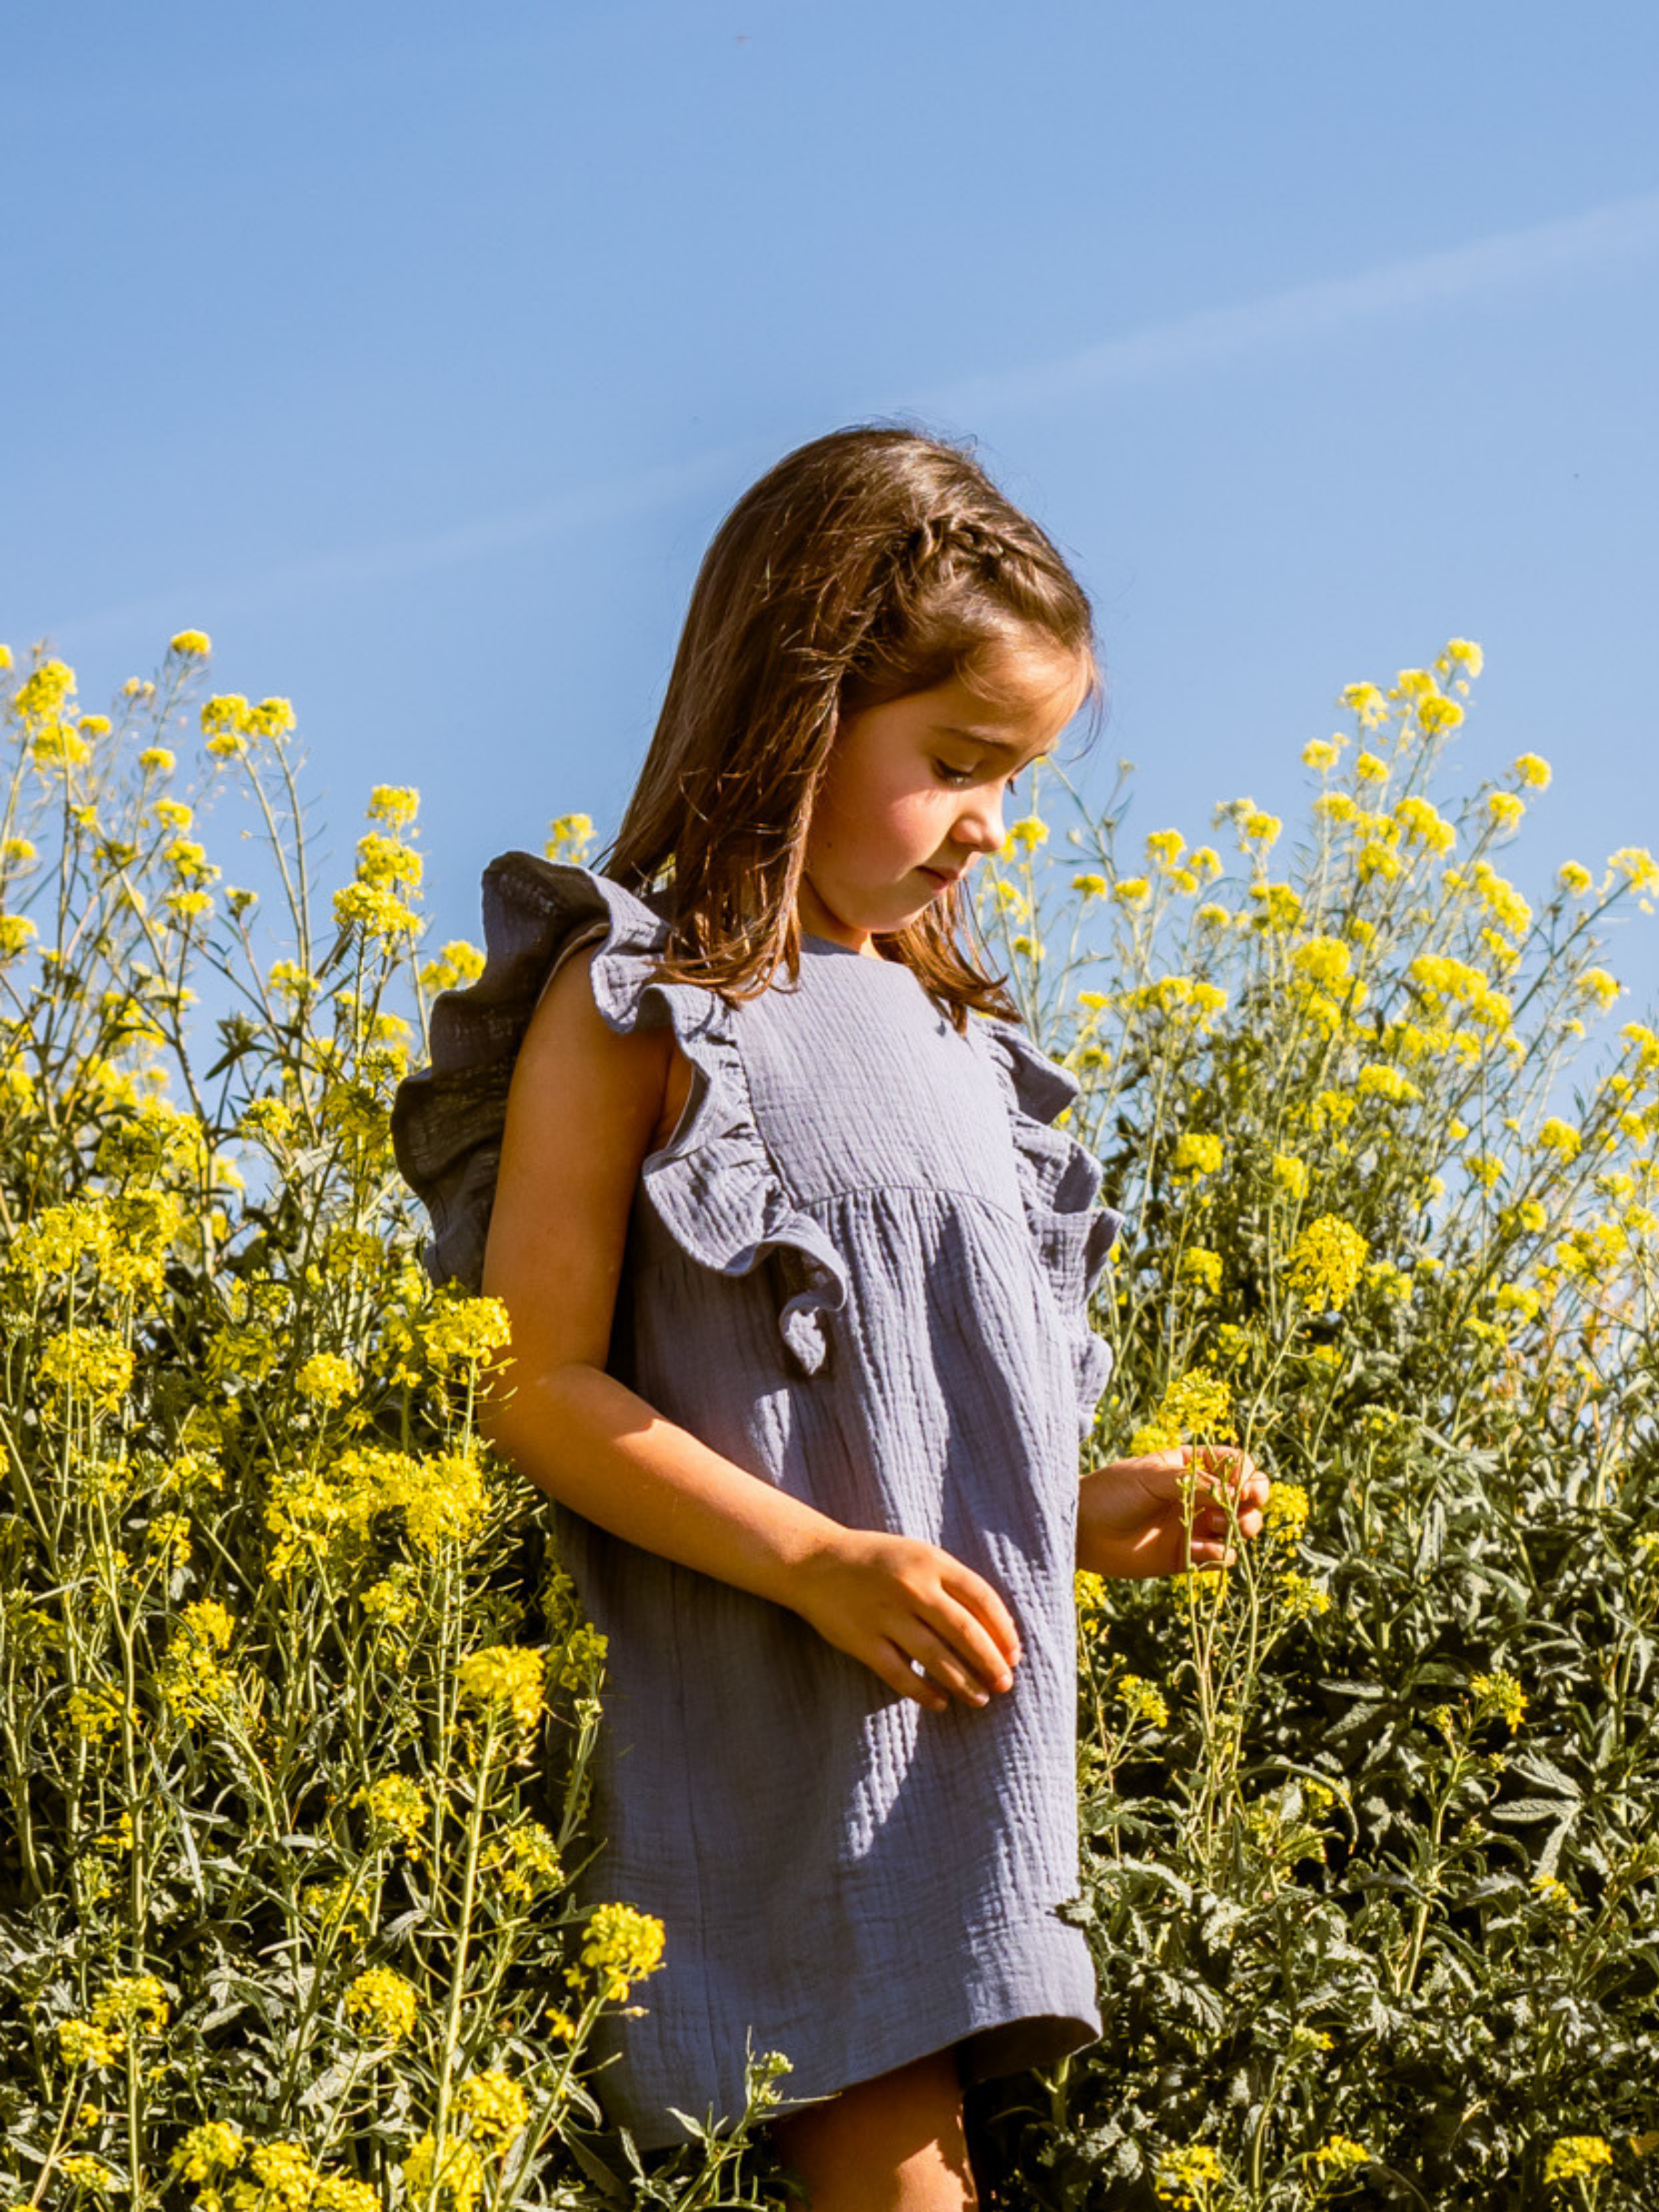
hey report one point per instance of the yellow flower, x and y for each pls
(1596, 983)
(458, 963)
(1435, 712)
(1560, 1138)
(1186, 2178)
(1302, 1599)
(1340, 2154)
(81, 2043)
(16, 933)
(495, 2105)
(1370, 769)
(214, 2148)
(394, 805)
(1203, 1268)
(1366, 701)
(1092, 1593)
(1165, 847)
(1378, 1080)
(1637, 866)
(1091, 886)
(94, 1363)
(395, 1802)
(1326, 1261)
(1289, 1175)
(1132, 890)
(382, 2003)
(1423, 821)
(1468, 655)
(504, 1674)
(1575, 878)
(326, 1379)
(192, 1678)
(191, 644)
(1320, 753)
(1285, 1514)
(1506, 809)
(1532, 771)
(1025, 835)
(1281, 905)
(1254, 824)
(5, 658)
(453, 2181)
(569, 838)
(1142, 1701)
(1196, 1154)
(156, 760)
(1575, 2158)
(1498, 1696)
(621, 1947)
(462, 1332)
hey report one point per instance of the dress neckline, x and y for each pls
(834, 944)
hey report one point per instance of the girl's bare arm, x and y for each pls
(582, 1113)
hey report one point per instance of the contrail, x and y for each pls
(1622, 230)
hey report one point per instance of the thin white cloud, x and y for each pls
(328, 575)
(1623, 230)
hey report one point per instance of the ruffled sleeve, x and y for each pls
(713, 1185)
(1059, 1180)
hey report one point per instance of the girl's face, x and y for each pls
(915, 788)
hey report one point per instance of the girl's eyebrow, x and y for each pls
(978, 738)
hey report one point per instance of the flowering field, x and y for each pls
(296, 1706)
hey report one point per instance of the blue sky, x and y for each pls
(414, 353)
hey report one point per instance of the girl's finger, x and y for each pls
(986, 1610)
(947, 1668)
(894, 1667)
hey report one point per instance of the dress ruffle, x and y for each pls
(714, 1185)
(1059, 1180)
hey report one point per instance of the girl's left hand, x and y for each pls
(1132, 1515)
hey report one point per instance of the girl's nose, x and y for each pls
(979, 826)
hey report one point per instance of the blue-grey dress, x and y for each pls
(860, 1269)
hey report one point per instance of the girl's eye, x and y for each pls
(958, 779)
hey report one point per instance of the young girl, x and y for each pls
(797, 1266)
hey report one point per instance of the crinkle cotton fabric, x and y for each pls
(860, 1269)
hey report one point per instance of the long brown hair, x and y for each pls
(870, 564)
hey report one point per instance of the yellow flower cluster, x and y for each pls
(1340, 2154)
(505, 1675)
(1142, 1701)
(380, 2002)
(494, 2105)
(459, 963)
(1197, 1153)
(1576, 2158)
(395, 1802)
(569, 839)
(1197, 1404)
(329, 1517)
(326, 1379)
(192, 1678)
(1186, 2177)
(1327, 1260)
(462, 1332)
(92, 1364)
(451, 2180)
(1498, 1696)
(524, 1862)
(619, 1947)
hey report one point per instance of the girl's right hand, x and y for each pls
(893, 1600)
